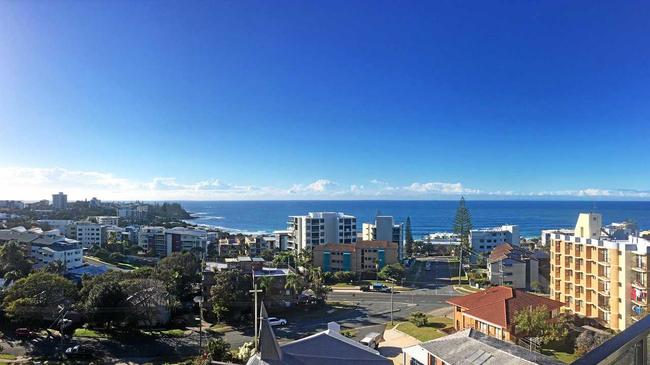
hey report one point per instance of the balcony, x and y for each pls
(639, 284)
(640, 267)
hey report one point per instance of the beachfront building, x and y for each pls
(88, 233)
(492, 311)
(600, 277)
(317, 228)
(59, 201)
(45, 248)
(486, 239)
(384, 229)
(364, 258)
(513, 266)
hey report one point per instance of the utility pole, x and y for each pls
(392, 290)
(255, 291)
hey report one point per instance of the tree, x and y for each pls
(537, 322)
(229, 294)
(317, 284)
(392, 272)
(267, 255)
(265, 283)
(294, 282)
(14, 264)
(408, 247)
(419, 319)
(344, 276)
(463, 223)
(106, 303)
(284, 259)
(218, 350)
(179, 272)
(37, 296)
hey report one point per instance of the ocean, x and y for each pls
(426, 216)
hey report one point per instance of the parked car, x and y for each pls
(274, 321)
(80, 352)
(379, 287)
(372, 340)
(24, 333)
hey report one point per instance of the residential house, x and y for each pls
(492, 311)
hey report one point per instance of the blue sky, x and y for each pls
(324, 100)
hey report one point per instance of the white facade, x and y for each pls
(318, 228)
(59, 224)
(67, 251)
(109, 220)
(149, 238)
(59, 201)
(87, 233)
(283, 240)
(484, 240)
(180, 239)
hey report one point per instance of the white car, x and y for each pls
(274, 321)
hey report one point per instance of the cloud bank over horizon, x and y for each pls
(35, 183)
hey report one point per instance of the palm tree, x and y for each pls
(266, 282)
(294, 282)
(55, 267)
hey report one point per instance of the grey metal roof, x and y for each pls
(471, 347)
(22, 237)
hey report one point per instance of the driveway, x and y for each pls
(394, 342)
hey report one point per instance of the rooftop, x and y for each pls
(472, 347)
(498, 305)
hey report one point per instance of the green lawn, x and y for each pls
(172, 333)
(88, 333)
(564, 357)
(7, 357)
(350, 333)
(219, 328)
(429, 332)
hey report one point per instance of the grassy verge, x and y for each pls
(564, 357)
(7, 357)
(350, 333)
(88, 333)
(468, 288)
(430, 331)
(219, 329)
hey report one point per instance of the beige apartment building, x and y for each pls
(598, 276)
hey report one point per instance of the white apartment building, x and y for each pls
(384, 229)
(44, 248)
(87, 233)
(484, 240)
(108, 220)
(59, 224)
(318, 228)
(283, 240)
(59, 201)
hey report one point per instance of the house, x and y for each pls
(328, 347)
(514, 266)
(45, 248)
(470, 346)
(492, 311)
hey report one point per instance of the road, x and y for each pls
(431, 289)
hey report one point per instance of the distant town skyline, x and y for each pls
(298, 100)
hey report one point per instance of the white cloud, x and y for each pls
(40, 183)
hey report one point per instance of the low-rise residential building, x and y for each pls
(152, 239)
(384, 229)
(107, 220)
(255, 245)
(513, 266)
(470, 346)
(363, 257)
(486, 239)
(600, 277)
(492, 311)
(229, 247)
(88, 233)
(180, 239)
(60, 224)
(12, 204)
(44, 248)
(317, 228)
(328, 347)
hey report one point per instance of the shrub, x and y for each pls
(419, 319)
(587, 341)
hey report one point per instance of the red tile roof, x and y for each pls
(498, 305)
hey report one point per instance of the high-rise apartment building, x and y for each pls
(598, 275)
(318, 228)
(59, 201)
(486, 239)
